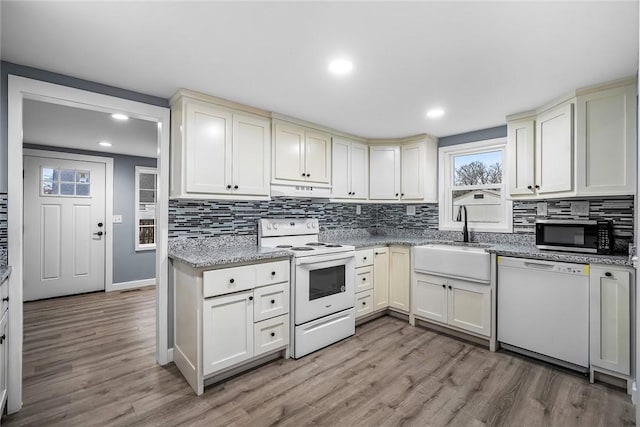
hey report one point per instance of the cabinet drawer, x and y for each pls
(270, 301)
(364, 303)
(271, 334)
(228, 280)
(364, 257)
(364, 278)
(273, 272)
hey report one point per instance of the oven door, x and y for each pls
(324, 285)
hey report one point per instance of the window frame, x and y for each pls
(446, 186)
(149, 246)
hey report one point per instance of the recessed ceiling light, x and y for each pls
(119, 116)
(340, 66)
(104, 143)
(435, 113)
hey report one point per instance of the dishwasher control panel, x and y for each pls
(572, 269)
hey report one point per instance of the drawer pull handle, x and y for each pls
(2, 338)
(608, 274)
(231, 280)
(273, 334)
(273, 301)
(250, 298)
(5, 299)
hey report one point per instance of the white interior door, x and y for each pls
(64, 214)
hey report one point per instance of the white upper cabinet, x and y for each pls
(554, 150)
(606, 141)
(584, 145)
(384, 172)
(412, 181)
(301, 155)
(218, 152)
(350, 163)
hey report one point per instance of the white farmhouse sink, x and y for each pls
(470, 262)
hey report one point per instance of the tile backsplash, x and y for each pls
(194, 218)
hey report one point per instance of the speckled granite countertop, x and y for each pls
(212, 252)
(505, 249)
(5, 271)
(527, 251)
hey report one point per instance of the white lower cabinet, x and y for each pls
(227, 318)
(227, 331)
(464, 305)
(610, 318)
(364, 303)
(380, 278)
(399, 278)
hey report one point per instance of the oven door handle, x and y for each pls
(325, 258)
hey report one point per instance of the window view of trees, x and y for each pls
(478, 173)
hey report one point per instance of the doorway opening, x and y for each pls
(87, 201)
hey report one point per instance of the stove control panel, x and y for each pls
(288, 227)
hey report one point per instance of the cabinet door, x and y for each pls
(288, 153)
(359, 163)
(399, 277)
(227, 331)
(208, 149)
(251, 155)
(380, 278)
(520, 147)
(429, 297)
(469, 306)
(412, 171)
(384, 172)
(340, 181)
(606, 141)
(554, 150)
(610, 315)
(4, 352)
(317, 157)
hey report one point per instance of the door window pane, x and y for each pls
(67, 189)
(146, 195)
(83, 177)
(68, 175)
(64, 182)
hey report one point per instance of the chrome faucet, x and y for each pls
(465, 229)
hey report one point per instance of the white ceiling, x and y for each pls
(478, 60)
(61, 126)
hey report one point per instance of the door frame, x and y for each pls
(108, 201)
(20, 88)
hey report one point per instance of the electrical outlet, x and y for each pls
(411, 210)
(580, 208)
(541, 208)
(117, 219)
(358, 209)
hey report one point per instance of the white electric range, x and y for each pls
(322, 283)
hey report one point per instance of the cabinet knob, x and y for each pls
(450, 287)
(364, 303)
(273, 301)
(364, 279)
(308, 175)
(228, 187)
(231, 280)
(529, 187)
(444, 286)
(364, 258)
(273, 334)
(235, 187)
(251, 298)
(353, 194)
(537, 187)
(5, 299)
(396, 194)
(376, 253)
(608, 274)
(273, 273)
(2, 338)
(401, 194)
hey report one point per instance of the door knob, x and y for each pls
(99, 233)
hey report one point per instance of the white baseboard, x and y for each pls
(130, 285)
(170, 355)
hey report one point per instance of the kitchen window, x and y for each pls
(145, 208)
(472, 175)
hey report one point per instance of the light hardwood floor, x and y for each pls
(89, 360)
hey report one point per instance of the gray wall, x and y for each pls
(476, 135)
(128, 264)
(7, 68)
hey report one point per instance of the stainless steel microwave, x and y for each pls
(589, 236)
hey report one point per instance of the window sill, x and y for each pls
(145, 248)
(501, 229)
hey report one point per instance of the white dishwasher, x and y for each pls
(543, 309)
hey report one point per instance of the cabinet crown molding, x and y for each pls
(198, 96)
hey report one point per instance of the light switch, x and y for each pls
(117, 219)
(541, 208)
(358, 209)
(580, 208)
(411, 210)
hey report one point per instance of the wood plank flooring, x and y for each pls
(89, 360)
